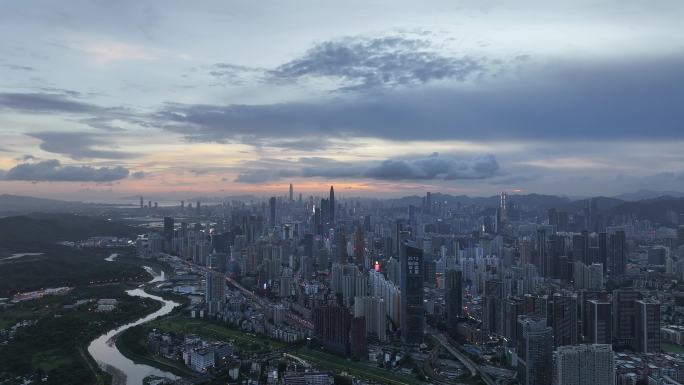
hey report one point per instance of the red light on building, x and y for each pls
(377, 266)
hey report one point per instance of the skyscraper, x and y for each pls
(341, 246)
(603, 251)
(291, 193)
(373, 309)
(552, 214)
(624, 317)
(411, 294)
(584, 365)
(453, 297)
(215, 292)
(492, 310)
(585, 248)
(564, 320)
(331, 203)
(512, 308)
(599, 322)
(578, 248)
(648, 326)
(618, 253)
(542, 258)
(168, 228)
(272, 211)
(168, 233)
(428, 202)
(357, 338)
(535, 351)
(332, 325)
(359, 246)
(325, 211)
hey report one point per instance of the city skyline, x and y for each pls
(333, 193)
(103, 101)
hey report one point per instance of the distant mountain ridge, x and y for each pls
(528, 201)
(23, 204)
(662, 209)
(31, 232)
(648, 194)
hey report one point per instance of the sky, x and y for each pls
(103, 100)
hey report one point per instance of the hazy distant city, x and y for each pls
(461, 192)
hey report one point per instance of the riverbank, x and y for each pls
(131, 344)
(53, 348)
(252, 345)
(104, 350)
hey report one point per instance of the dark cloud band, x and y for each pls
(576, 101)
(54, 171)
(79, 145)
(433, 167)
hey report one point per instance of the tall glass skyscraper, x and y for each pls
(411, 294)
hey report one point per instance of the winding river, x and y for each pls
(104, 351)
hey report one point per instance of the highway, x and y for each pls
(265, 302)
(260, 301)
(472, 367)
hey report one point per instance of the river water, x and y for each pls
(104, 351)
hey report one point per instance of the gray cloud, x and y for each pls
(665, 178)
(305, 144)
(64, 92)
(17, 67)
(78, 145)
(102, 124)
(512, 180)
(365, 64)
(580, 101)
(383, 61)
(333, 172)
(63, 101)
(25, 158)
(311, 143)
(138, 175)
(264, 175)
(236, 74)
(433, 167)
(53, 171)
(46, 102)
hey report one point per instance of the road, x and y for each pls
(429, 370)
(260, 301)
(472, 367)
(264, 303)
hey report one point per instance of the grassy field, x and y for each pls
(37, 232)
(246, 342)
(338, 364)
(672, 348)
(55, 345)
(257, 344)
(64, 266)
(132, 345)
